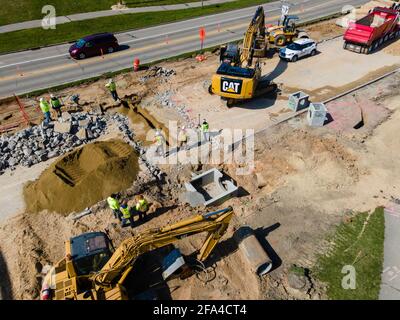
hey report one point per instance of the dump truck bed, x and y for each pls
(376, 25)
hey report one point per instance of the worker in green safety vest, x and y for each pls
(205, 128)
(113, 89)
(126, 215)
(160, 142)
(113, 203)
(45, 107)
(55, 104)
(142, 206)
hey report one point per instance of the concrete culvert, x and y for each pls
(83, 177)
(252, 250)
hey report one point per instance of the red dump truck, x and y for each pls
(370, 32)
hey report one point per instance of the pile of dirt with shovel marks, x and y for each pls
(83, 177)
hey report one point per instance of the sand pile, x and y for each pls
(362, 11)
(83, 177)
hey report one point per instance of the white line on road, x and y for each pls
(29, 61)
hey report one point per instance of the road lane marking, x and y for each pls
(95, 60)
(34, 60)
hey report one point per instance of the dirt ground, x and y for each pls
(305, 181)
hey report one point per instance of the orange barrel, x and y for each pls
(136, 64)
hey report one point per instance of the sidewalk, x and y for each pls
(106, 13)
(390, 283)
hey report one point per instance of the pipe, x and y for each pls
(252, 250)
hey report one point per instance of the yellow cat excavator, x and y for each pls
(93, 270)
(236, 79)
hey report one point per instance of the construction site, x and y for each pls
(274, 208)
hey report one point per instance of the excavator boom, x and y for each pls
(214, 223)
(92, 271)
(254, 38)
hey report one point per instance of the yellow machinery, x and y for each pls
(92, 270)
(236, 79)
(285, 32)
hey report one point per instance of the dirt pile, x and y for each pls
(83, 177)
(324, 30)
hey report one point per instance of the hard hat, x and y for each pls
(110, 80)
(52, 96)
(41, 99)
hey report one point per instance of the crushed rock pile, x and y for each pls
(39, 143)
(158, 72)
(165, 99)
(83, 177)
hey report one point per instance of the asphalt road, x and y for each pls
(30, 70)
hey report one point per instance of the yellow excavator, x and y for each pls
(93, 270)
(237, 79)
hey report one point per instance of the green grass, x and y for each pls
(365, 254)
(32, 38)
(25, 10)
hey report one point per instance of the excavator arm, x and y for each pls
(120, 264)
(255, 31)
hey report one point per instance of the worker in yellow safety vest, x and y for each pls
(142, 206)
(45, 107)
(182, 138)
(160, 141)
(113, 89)
(126, 215)
(113, 203)
(56, 104)
(205, 128)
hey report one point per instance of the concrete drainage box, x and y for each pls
(298, 101)
(209, 189)
(316, 114)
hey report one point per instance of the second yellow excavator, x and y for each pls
(237, 79)
(93, 270)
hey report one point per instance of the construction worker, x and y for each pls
(113, 89)
(160, 141)
(45, 107)
(126, 215)
(205, 128)
(113, 203)
(182, 138)
(55, 104)
(142, 206)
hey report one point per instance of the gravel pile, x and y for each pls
(165, 99)
(39, 143)
(158, 72)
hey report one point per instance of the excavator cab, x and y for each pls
(90, 252)
(230, 54)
